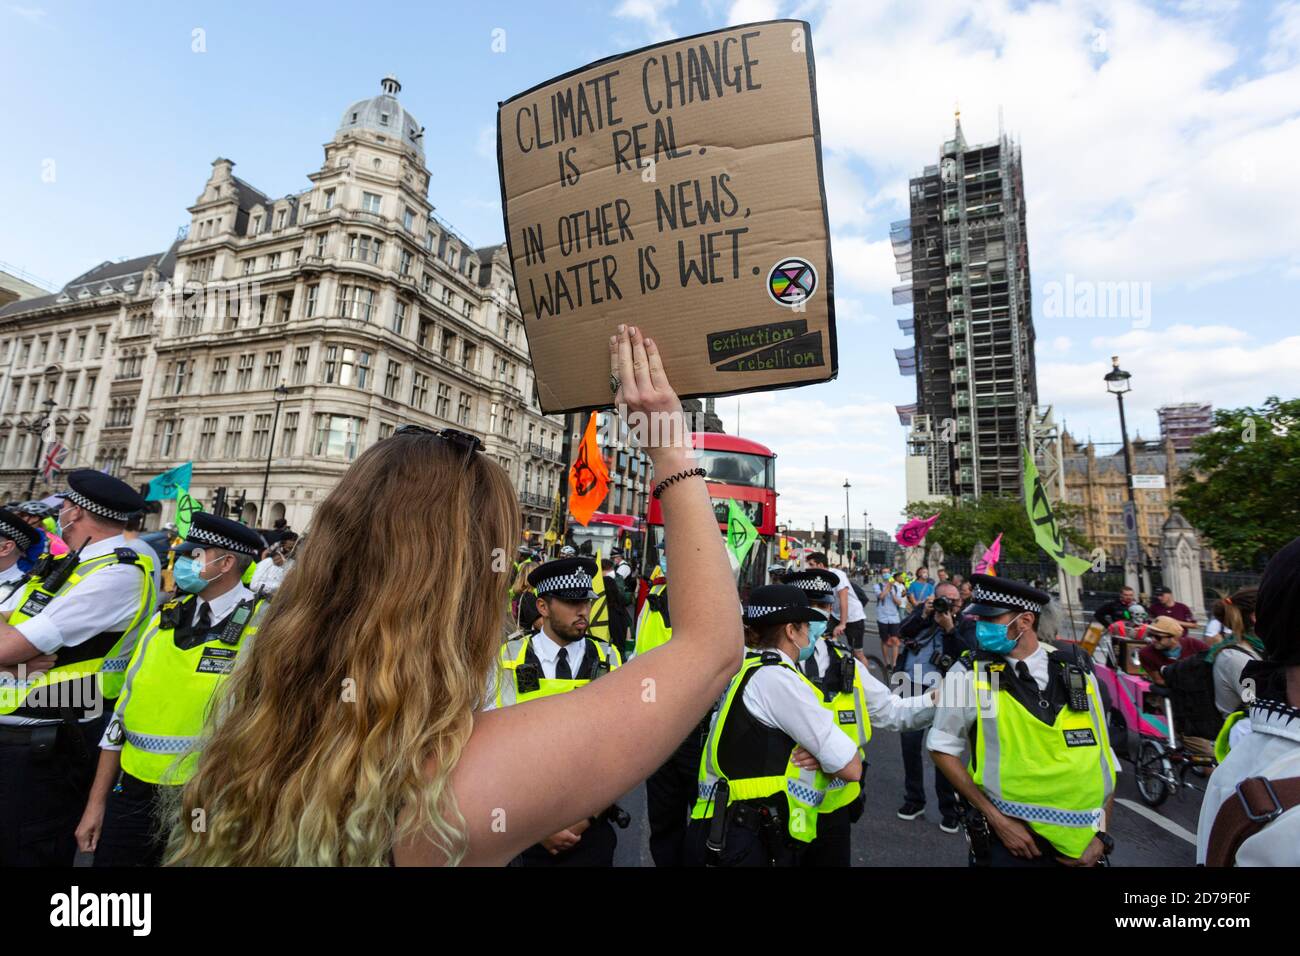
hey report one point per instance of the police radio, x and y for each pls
(234, 625)
(62, 569)
(1076, 682)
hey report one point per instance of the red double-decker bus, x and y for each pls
(735, 469)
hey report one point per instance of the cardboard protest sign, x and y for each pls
(677, 188)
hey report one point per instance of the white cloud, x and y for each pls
(1284, 38)
(651, 14)
(1140, 160)
(30, 14)
(864, 264)
(752, 11)
(1143, 340)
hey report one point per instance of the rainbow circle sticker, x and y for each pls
(792, 281)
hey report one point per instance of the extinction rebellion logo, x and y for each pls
(792, 281)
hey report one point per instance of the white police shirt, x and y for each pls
(548, 652)
(105, 601)
(886, 710)
(1270, 749)
(958, 709)
(218, 608)
(9, 575)
(782, 700)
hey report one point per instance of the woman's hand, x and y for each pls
(651, 409)
(802, 759)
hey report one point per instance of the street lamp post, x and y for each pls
(1118, 383)
(37, 427)
(848, 528)
(281, 393)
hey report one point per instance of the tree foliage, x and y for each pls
(1245, 493)
(962, 525)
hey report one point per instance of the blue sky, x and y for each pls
(1159, 143)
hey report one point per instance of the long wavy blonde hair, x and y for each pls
(364, 673)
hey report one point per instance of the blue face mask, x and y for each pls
(187, 576)
(1174, 652)
(993, 637)
(815, 631)
(663, 563)
(807, 652)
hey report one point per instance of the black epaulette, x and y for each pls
(842, 648)
(126, 555)
(1072, 654)
(769, 657)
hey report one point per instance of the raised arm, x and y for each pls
(531, 769)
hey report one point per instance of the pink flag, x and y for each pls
(991, 555)
(913, 533)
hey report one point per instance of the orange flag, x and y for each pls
(588, 477)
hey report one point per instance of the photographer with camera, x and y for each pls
(934, 636)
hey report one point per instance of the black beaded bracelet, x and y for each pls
(688, 473)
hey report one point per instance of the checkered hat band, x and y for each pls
(565, 582)
(95, 508)
(212, 539)
(814, 584)
(758, 610)
(15, 534)
(981, 595)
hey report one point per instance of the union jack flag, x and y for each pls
(55, 456)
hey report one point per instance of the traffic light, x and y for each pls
(237, 506)
(219, 502)
(839, 540)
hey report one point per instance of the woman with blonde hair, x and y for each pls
(354, 732)
(521, 591)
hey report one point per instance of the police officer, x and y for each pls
(773, 751)
(1039, 772)
(17, 539)
(857, 700)
(87, 608)
(559, 658)
(189, 648)
(670, 790)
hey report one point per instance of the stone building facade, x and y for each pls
(296, 330)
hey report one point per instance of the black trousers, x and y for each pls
(745, 847)
(132, 834)
(834, 843)
(913, 742)
(43, 794)
(595, 848)
(1000, 856)
(670, 795)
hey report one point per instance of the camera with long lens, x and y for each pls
(942, 605)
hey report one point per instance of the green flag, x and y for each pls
(1043, 521)
(186, 507)
(741, 533)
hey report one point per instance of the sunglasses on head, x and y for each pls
(463, 440)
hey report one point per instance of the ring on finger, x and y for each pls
(614, 383)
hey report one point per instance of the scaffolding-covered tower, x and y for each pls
(963, 260)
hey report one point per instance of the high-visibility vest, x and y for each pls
(521, 680)
(652, 629)
(1055, 777)
(804, 791)
(102, 658)
(849, 708)
(1223, 742)
(169, 692)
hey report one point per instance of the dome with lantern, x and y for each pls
(382, 114)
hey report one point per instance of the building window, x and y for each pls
(234, 435)
(337, 436)
(466, 308)
(363, 247)
(408, 219)
(273, 262)
(286, 304)
(448, 343)
(427, 284)
(346, 366)
(279, 219)
(399, 317)
(41, 346)
(246, 265)
(467, 354)
(508, 423)
(182, 375)
(300, 357)
(100, 344)
(244, 377)
(405, 267)
(220, 367)
(91, 381)
(207, 437)
(419, 389)
(164, 438)
(370, 202)
(81, 346)
(426, 333)
(393, 379)
(289, 437)
(442, 405)
(313, 291)
(256, 227)
(69, 391)
(329, 199)
(356, 302)
(270, 369)
(464, 408)
(320, 245)
(261, 436)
